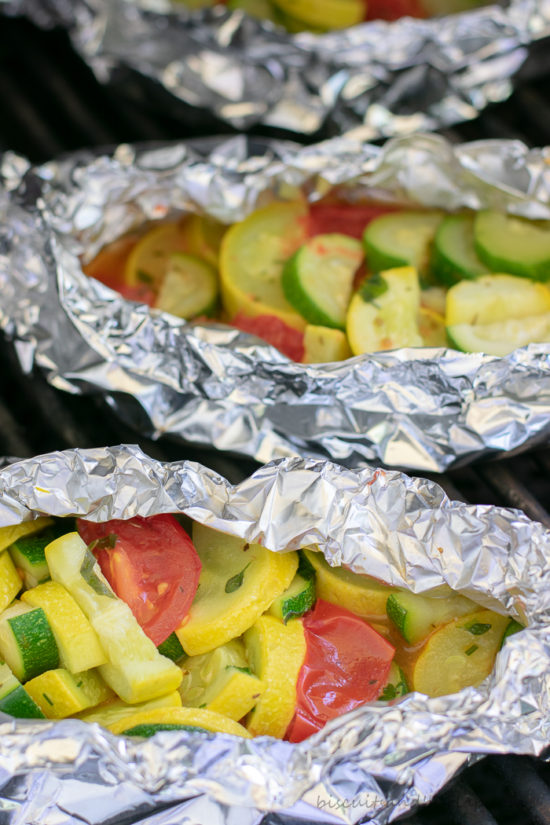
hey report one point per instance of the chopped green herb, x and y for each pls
(144, 277)
(47, 698)
(471, 650)
(105, 543)
(477, 628)
(235, 581)
(240, 669)
(373, 287)
(88, 572)
(79, 684)
(388, 693)
(203, 705)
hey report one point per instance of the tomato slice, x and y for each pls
(344, 218)
(151, 564)
(347, 664)
(394, 9)
(274, 331)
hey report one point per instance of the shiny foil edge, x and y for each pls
(212, 385)
(401, 529)
(391, 78)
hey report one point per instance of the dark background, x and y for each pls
(50, 103)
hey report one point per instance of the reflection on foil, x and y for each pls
(378, 761)
(210, 384)
(391, 78)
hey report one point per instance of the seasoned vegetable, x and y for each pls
(383, 314)
(278, 641)
(276, 653)
(318, 279)
(151, 564)
(238, 582)
(293, 275)
(347, 663)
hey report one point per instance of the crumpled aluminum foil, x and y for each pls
(394, 78)
(378, 761)
(428, 409)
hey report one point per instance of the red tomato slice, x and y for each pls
(108, 264)
(347, 664)
(141, 293)
(271, 329)
(344, 218)
(394, 9)
(151, 564)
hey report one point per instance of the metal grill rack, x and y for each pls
(51, 103)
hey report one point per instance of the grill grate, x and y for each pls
(55, 105)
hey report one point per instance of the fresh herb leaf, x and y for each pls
(240, 669)
(88, 572)
(235, 581)
(477, 628)
(471, 650)
(144, 277)
(388, 693)
(373, 287)
(105, 543)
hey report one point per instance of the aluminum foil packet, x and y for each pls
(378, 761)
(393, 78)
(210, 384)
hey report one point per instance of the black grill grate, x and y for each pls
(51, 103)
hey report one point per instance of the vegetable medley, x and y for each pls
(326, 281)
(324, 15)
(136, 626)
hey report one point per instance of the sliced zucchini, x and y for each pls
(512, 628)
(325, 14)
(296, 600)
(362, 595)
(221, 681)
(276, 652)
(10, 582)
(77, 641)
(27, 528)
(323, 345)
(396, 684)
(318, 279)
(238, 582)
(417, 616)
(27, 643)
(502, 337)
(193, 717)
(147, 263)
(459, 654)
(516, 245)
(495, 298)
(253, 253)
(135, 670)
(453, 254)
(59, 694)
(14, 699)
(27, 552)
(203, 237)
(115, 709)
(383, 314)
(401, 239)
(171, 648)
(189, 287)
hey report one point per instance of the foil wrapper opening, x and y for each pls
(428, 409)
(378, 761)
(392, 78)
